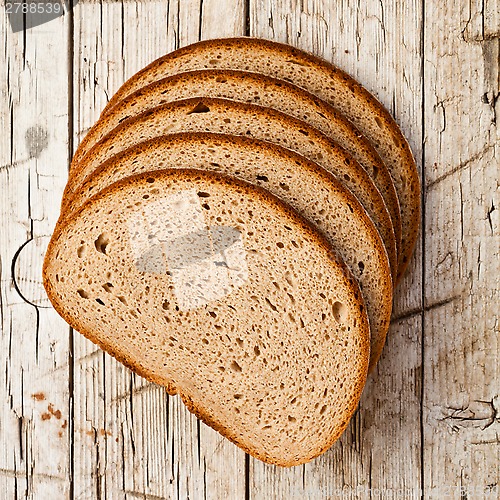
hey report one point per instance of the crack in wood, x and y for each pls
(463, 165)
(36, 475)
(436, 305)
(479, 414)
(143, 496)
(490, 211)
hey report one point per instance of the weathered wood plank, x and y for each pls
(379, 44)
(462, 242)
(34, 348)
(131, 439)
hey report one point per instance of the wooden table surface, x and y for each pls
(76, 424)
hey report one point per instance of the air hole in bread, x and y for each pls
(297, 63)
(378, 121)
(199, 108)
(83, 294)
(291, 419)
(150, 180)
(238, 396)
(280, 244)
(271, 305)
(361, 266)
(101, 243)
(108, 287)
(256, 350)
(122, 299)
(263, 178)
(81, 251)
(304, 132)
(339, 311)
(206, 206)
(235, 367)
(99, 301)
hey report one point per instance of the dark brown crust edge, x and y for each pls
(171, 389)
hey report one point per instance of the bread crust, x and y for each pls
(406, 181)
(263, 197)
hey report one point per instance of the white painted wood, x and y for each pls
(132, 440)
(436, 67)
(462, 245)
(34, 348)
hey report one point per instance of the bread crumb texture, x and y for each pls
(222, 293)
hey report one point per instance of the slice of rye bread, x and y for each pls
(319, 77)
(231, 117)
(306, 187)
(265, 91)
(222, 293)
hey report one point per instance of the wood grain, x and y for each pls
(76, 424)
(462, 244)
(34, 348)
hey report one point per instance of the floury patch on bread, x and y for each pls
(230, 117)
(307, 188)
(219, 291)
(318, 77)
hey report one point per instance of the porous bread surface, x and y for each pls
(303, 185)
(265, 91)
(230, 117)
(277, 364)
(319, 77)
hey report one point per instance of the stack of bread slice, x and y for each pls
(233, 228)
